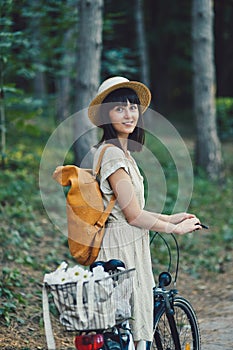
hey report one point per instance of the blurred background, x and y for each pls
(53, 55)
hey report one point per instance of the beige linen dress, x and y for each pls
(128, 243)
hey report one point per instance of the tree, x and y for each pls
(208, 147)
(142, 44)
(55, 45)
(88, 70)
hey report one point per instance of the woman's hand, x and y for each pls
(179, 217)
(187, 225)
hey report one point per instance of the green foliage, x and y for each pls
(122, 57)
(19, 196)
(10, 281)
(168, 166)
(212, 204)
(18, 111)
(119, 62)
(24, 229)
(206, 249)
(224, 110)
(15, 45)
(51, 23)
(22, 112)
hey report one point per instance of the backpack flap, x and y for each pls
(84, 196)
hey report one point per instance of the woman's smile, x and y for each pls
(128, 123)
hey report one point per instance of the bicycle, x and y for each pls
(175, 322)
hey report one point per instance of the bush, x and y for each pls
(224, 109)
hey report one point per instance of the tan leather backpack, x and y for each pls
(86, 215)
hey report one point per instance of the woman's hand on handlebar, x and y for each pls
(179, 217)
(187, 225)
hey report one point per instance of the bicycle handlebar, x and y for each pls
(177, 250)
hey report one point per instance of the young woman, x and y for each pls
(118, 109)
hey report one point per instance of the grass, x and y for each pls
(31, 245)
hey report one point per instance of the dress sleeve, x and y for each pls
(113, 160)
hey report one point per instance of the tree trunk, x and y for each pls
(88, 71)
(208, 147)
(39, 81)
(63, 82)
(142, 47)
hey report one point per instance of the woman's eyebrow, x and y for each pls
(116, 104)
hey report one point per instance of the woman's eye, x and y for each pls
(119, 109)
(134, 107)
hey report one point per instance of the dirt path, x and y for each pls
(217, 331)
(213, 303)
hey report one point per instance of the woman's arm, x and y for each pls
(174, 218)
(123, 189)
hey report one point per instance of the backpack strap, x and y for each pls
(103, 218)
(98, 166)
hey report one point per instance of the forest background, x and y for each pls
(40, 83)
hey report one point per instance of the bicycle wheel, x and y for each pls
(186, 324)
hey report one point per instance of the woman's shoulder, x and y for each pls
(111, 151)
(110, 154)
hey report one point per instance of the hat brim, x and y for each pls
(141, 90)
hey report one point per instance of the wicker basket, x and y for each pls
(94, 304)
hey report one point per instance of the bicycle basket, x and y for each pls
(94, 304)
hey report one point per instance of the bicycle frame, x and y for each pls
(163, 302)
(173, 315)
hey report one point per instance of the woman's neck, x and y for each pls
(124, 144)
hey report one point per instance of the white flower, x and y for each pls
(56, 277)
(77, 273)
(65, 275)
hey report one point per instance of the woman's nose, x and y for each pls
(127, 112)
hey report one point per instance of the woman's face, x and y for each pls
(124, 118)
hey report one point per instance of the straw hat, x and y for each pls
(112, 84)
